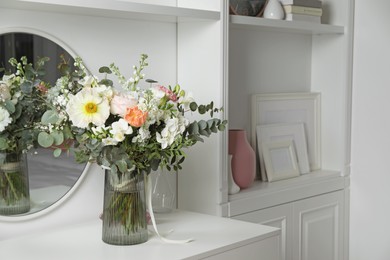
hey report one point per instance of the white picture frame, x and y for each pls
(304, 107)
(283, 132)
(280, 160)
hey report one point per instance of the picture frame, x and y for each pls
(283, 132)
(301, 107)
(280, 160)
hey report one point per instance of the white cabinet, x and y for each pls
(311, 228)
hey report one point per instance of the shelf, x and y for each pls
(267, 194)
(114, 9)
(239, 22)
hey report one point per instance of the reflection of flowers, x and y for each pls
(21, 104)
(5, 119)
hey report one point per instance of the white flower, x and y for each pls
(186, 100)
(143, 135)
(120, 102)
(4, 91)
(87, 106)
(119, 129)
(5, 119)
(88, 81)
(104, 91)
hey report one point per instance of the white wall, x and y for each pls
(370, 177)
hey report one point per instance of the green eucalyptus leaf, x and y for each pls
(122, 165)
(151, 81)
(202, 109)
(57, 152)
(45, 139)
(105, 69)
(202, 125)
(193, 128)
(106, 82)
(3, 143)
(58, 137)
(49, 117)
(26, 87)
(193, 106)
(9, 106)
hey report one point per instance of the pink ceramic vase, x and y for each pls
(244, 158)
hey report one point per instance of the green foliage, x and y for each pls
(22, 95)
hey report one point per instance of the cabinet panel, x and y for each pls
(267, 249)
(318, 229)
(311, 229)
(280, 217)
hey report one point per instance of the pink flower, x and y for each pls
(121, 102)
(169, 93)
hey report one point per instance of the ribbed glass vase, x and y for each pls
(14, 184)
(124, 213)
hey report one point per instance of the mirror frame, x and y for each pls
(72, 190)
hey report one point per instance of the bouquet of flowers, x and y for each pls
(128, 130)
(22, 94)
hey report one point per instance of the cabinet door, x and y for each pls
(278, 216)
(318, 227)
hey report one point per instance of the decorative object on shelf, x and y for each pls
(163, 194)
(233, 188)
(14, 184)
(284, 132)
(243, 160)
(280, 160)
(21, 107)
(302, 10)
(124, 210)
(277, 108)
(130, 133)
(273, 10)
(247, 7)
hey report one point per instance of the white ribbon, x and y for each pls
(148, 188)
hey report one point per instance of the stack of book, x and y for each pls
(302, 10)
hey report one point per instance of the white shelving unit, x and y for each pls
(227, 59)
(276, 56)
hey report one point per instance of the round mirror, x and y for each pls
(49, 178)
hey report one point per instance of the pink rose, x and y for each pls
(121, 102)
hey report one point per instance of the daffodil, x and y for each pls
(86, 107)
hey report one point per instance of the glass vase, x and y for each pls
(124, 209)
(14, 184)
(163, 192)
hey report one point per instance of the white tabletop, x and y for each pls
(212, 235)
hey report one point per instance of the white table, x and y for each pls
(215, 238)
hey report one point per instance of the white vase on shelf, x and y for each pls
(274, 10)
(233, 188)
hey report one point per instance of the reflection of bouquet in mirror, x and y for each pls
(22, 94)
